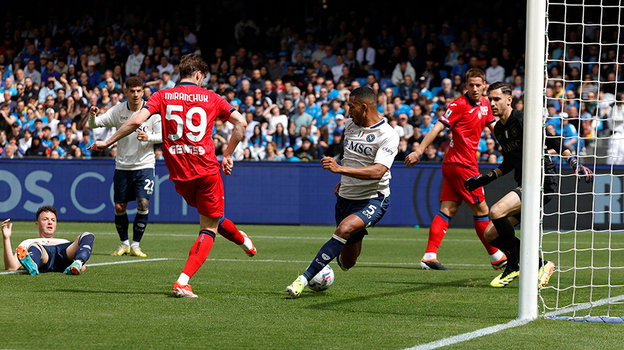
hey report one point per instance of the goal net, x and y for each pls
(583, 224)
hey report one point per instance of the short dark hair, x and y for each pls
(505, 88)
(134, 82)
(190, 63)
(45, 208)
(364, 94)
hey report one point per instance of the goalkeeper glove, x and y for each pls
(580, 169)
(472, 183)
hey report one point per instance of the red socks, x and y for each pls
(199, 252)
(480, 223)
(437, 231)
(228, 230)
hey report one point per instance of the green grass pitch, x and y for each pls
(384, 302)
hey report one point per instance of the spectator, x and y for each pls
(307, 151)
(431, 155)
(403, 69)
(272, 155)
(36, 149)
(301, 118)
(494, 73)
(365, 55)
(134, 61)
(289, 155)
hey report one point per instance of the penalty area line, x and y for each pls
(98, 264)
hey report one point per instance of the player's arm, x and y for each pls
(152, 137)
(371, 172)
(104, 120)
(553, 142)
(240, 124)
(414, 157)
(10, 260)
(126, 129)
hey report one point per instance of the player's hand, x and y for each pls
(98, 146)
(581, 170)
(227, 164)
(93, 111)
(472, 183)
(6, 228)
(330, 164)
(584, 171)
(337, 189)
(141, 135)
(413, 158)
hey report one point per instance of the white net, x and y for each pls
(583, 224)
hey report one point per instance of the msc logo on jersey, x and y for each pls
(370, 138)
(359, 148)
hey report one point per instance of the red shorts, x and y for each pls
(453, 177)
(204, 193)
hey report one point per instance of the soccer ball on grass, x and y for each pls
(322, 280)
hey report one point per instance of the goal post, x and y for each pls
(531, 158)
(574, 86)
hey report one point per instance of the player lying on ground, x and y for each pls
(188, 112)
(466, 117)
(505, 214)
(134, 165)
(370, 145)
(46, 253)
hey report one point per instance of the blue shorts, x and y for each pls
(57, 258)
(369, 210)
(132, 184)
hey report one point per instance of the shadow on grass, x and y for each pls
(78, 291)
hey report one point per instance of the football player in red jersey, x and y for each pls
(467, 116)
(188, 113)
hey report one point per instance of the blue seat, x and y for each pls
(362, 81)
(385, 83)
(435, 90)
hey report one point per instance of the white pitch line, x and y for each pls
(511, 324)
(468, 336)
(99, 264)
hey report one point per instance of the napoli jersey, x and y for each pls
(43, 241)
(132, 154)
(188, 113)
(466, 120)
(364, 147)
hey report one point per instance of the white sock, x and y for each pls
(183, 279)
(496, 256)
(79, 262)
(126, 242)
(430, 256)
(305, 280)
(135, 244)
(247, 244)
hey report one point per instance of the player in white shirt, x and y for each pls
(134, 164)
(46, 253)
(370, 145)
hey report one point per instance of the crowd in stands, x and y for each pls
(292, 91)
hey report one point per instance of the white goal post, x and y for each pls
(574, 84)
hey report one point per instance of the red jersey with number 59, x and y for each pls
(188, 113)
(466, 120)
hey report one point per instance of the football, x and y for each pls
(322, 280)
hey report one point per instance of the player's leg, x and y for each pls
(206, 194)
(32, 258)
(330, 250)
(139, 226)
(480, 210)
(437, 230)
(352, 217)
(228, 230)
(143, 184)
(121, 186)
(79, 251)
(501, 234)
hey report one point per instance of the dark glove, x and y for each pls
(581, 170)
(472, 183)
